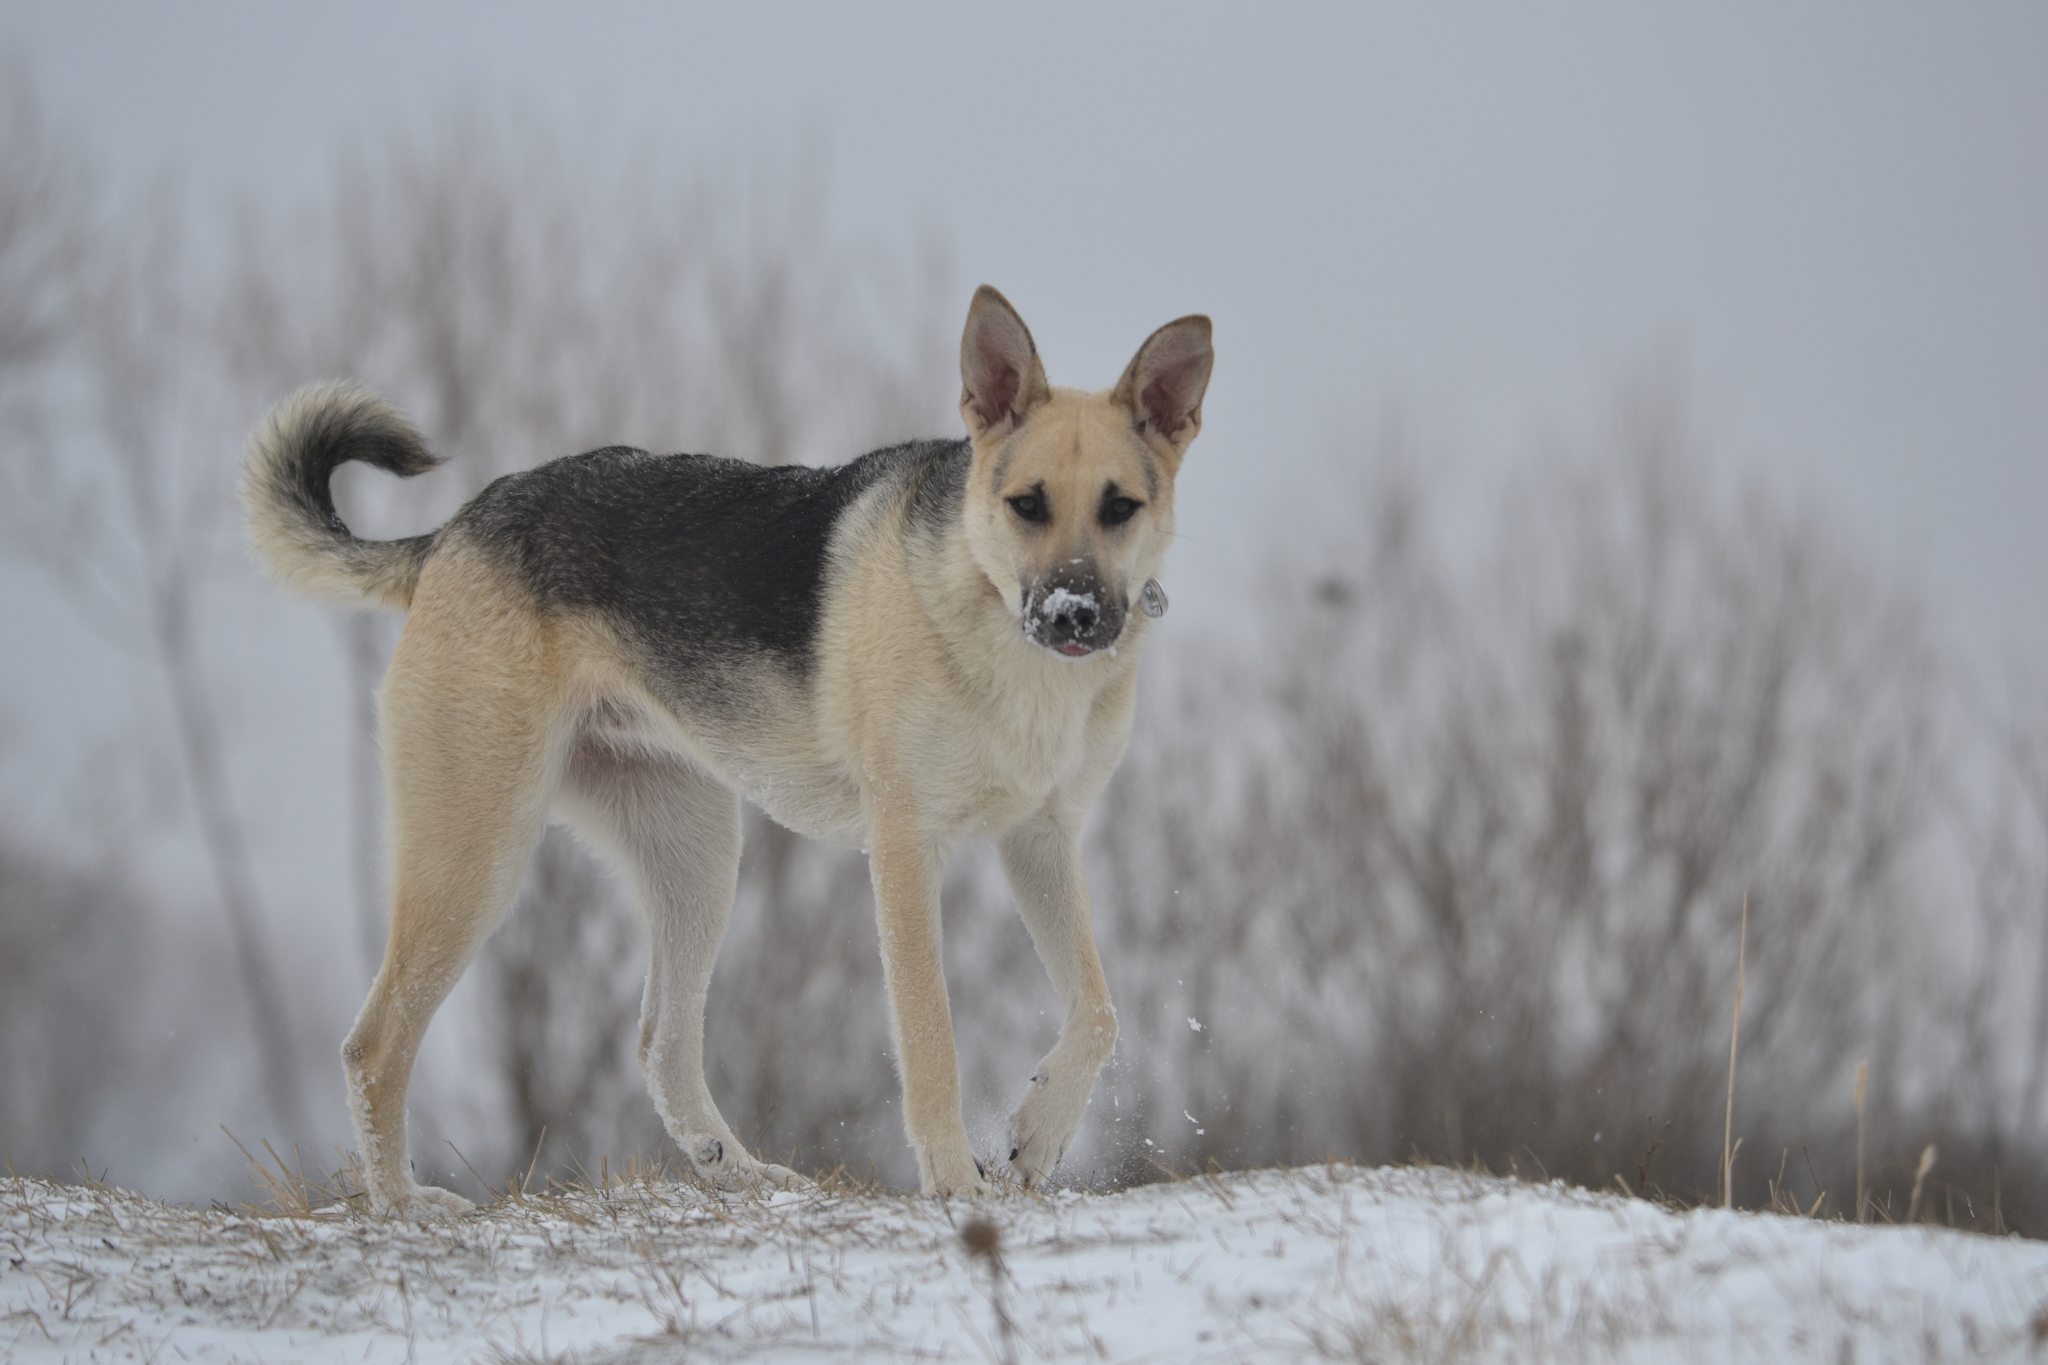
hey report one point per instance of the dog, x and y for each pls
(936, 641)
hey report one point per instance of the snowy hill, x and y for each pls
(1332, 1263)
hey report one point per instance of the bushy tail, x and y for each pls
(296, 532)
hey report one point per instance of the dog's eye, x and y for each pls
(1030, 507)
(1118, 509)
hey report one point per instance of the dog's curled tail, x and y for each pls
(296, 533)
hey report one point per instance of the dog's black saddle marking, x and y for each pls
(698, 557)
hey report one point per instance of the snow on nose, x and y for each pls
(1072, 616)
(1070, 613)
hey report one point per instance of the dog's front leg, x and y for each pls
(1043, 860)
(906, 870)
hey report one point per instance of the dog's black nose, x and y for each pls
(1073, 614)
(1075, 618)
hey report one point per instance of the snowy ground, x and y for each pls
(1330, 1263)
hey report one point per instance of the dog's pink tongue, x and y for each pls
(1075, 651)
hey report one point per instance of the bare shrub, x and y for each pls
(45, 221)
(113, 505)
(1991, 1128)
(564, 1004)
(73, 951)
(797, 1035)
(1470, 888)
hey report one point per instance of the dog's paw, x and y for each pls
(956, 1175)
(422, 1204)
(1040, 1130)
(723, 1166)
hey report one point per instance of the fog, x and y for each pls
(1601, 397)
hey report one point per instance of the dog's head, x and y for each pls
(1070, 501)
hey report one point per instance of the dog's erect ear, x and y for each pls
(1000, 377)
(1164, 385)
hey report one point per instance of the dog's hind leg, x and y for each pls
(472, 747)
(674, 833)
(1043, 860)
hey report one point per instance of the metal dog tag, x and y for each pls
(1152, 601)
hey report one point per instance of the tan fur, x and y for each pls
(932, 718)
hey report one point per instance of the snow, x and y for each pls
(1055, 604)
(1335, 1263)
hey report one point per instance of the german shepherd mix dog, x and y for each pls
(932, 642)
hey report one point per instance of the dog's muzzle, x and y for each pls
(1073, 614)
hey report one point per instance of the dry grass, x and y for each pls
(1734, 1039)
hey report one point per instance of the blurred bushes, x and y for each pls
(73, 947)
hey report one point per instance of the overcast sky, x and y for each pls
(1833, 219)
